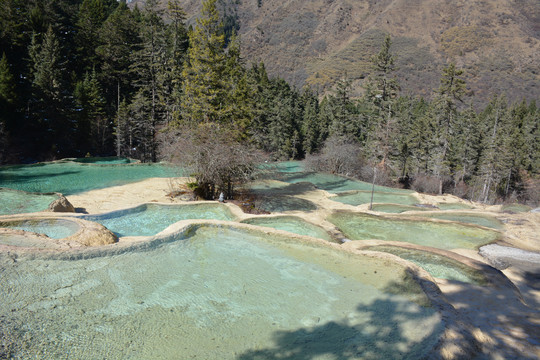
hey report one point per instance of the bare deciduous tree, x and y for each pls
(214, 157)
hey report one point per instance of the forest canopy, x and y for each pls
(98, 77)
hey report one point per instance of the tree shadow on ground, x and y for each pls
(380, 335)
(513, 326)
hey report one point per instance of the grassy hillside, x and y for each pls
(315, 42)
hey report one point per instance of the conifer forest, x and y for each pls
(102, 78)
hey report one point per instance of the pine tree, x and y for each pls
(464, 148)
(47, 65)
(310, 126)
(451, 91)
(170, 80)
(149, 65)
(8, 95)
(93, 130)
(345, 121)
(495, 160)
(205, 90)
(124, 130)
(92, 14)
(118, 38)
(381, 91)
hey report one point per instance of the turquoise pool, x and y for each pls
(214, 293)
(70, 177)
(53, 228)
(359, 226)
(482, 220)
(334, 183)
(150, 219)
(364, 197)
(454, 206)
(396, 209)
(291, 224)
(104, 160)
(18, 202)
(436, 265)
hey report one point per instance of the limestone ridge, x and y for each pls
(318, 41)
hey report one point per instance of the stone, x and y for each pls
(61, 205)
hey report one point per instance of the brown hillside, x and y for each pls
(315, 42)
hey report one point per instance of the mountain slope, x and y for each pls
(316, 42)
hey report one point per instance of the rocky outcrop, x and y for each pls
(61, 205)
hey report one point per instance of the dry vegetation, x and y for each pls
(317, 42)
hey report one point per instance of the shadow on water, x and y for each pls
(281, 203)
(290, 189)
(12, 178)
(329, 185)
(381, 335)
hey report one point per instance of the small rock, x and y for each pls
(61, 205)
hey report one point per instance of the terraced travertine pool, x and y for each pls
(20, 202)
(229, 291)
(291, 224)
(438, 266)
(359, 226)
(364, 197)
(53, 228)
(150, 219)
(211, 293)
(71, 177)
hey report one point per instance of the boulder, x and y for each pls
(61, 205)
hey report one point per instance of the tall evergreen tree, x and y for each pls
(93, 130)
(450, 92)
(495, 158)
(344, 120)
(205, 90)
(381, 91)
(149, 64)
(170, 80)
(91, 16)
(310, 126)
(118, 38)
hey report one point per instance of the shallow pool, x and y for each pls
(150, 219)
(437, 265)
(53, 228)
(68, 177)
(292, 224)
(482, 220)
(334, 183)
(216, 293)
(453, 206)
(282, 203)
(359, 226)
(18, 202)
(396, 209)
(113, 160)
(364, 197)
